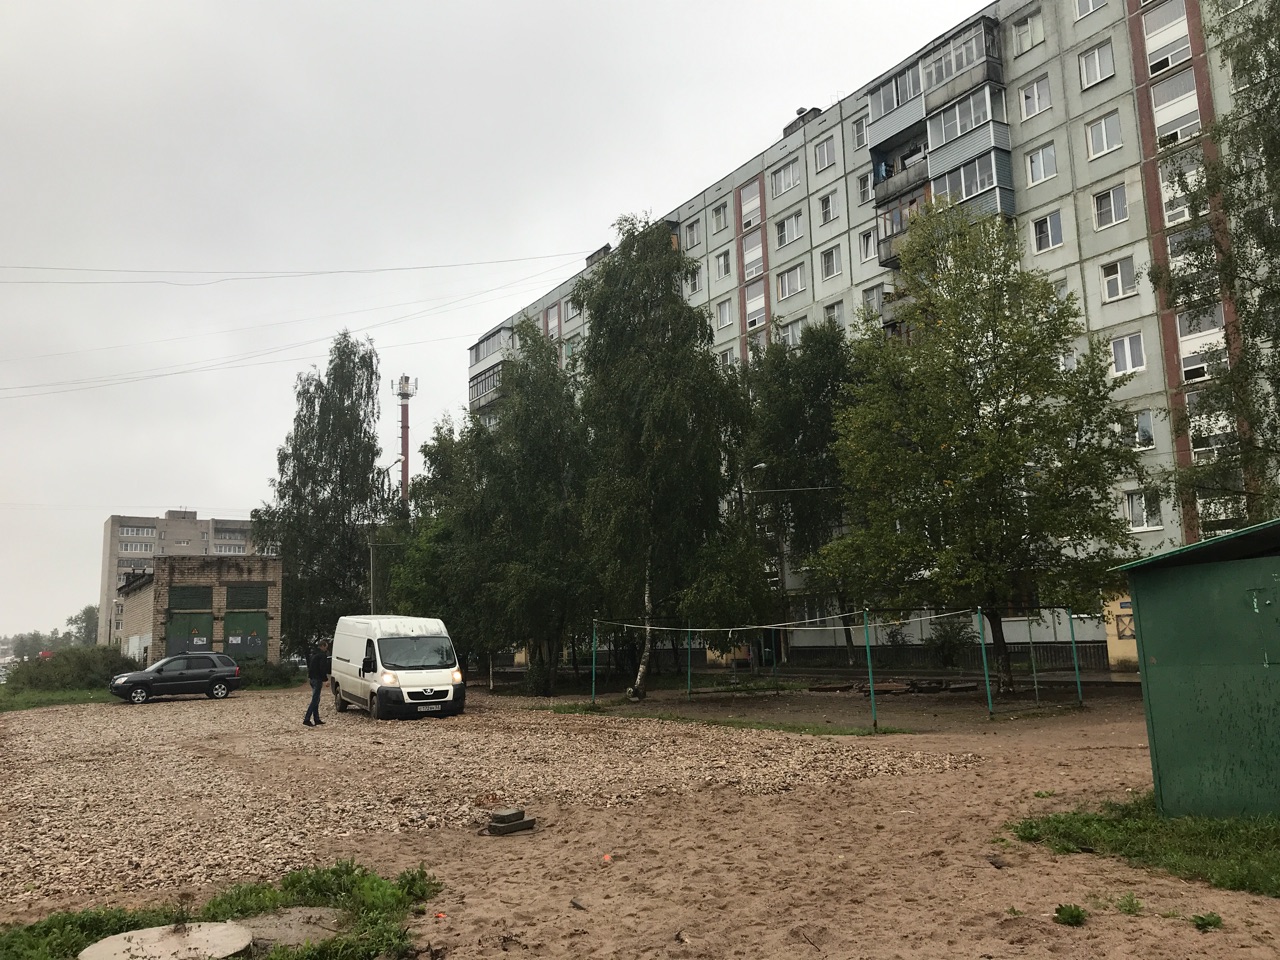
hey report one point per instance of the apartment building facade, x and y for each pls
(1068, 116)
(131, 544)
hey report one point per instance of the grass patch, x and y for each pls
(1070, 915)
(783, 726)
(1129, 905)
(1233, 854)
(574, 708)
(1204, 922)
(375, 908)
(30, 699)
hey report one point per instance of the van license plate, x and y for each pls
(429, 706)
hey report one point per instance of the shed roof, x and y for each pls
(1260, 540)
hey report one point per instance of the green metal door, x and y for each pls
(246, 633)
(188, 631)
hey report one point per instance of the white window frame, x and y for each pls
(1142, 434)
(791, 281)
(753, 267)
(1148, 502)
(724, 264)
(831, 256)
(785, 177)
(1094, 57)
(695, 279)
(827, 207)
(1042, 151)
(860, 132)
(1119, 277)
(824, 154)
(692, 233)
(724, 313)
(1128, 354)
(864, 188)
(728, 357)
(1110, 195)
(1086, 7)
(1050, 220)
(867, 245)
(1101, 124)
(789, 229)
(1034, 87)
(834, 311)
(720, 217)
(1033, 27)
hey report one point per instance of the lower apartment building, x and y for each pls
(1069, 116)
(131, 545)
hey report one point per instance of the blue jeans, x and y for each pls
(313, 711)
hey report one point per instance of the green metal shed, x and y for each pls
(1208, 624)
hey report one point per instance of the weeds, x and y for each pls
(1204, 922)
(1070, 915)
(1044, 794)
(1129, 905)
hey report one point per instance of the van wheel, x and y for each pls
(373, 707)
(339, 701)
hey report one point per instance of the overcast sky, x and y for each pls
(159, 162)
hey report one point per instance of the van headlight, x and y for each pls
(457, 676)
(388, 679)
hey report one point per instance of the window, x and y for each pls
(722, 265)
(957, 55)
(959, 118)
(1176, 206)
(860, 132)
(1201, 342)
(695, 279)
(824, 154)
(893, 220)
(791, 282)
(864, 188)
(1142, 509)
(1028, 33)
(1068, 360)
(1176, 108)
(873, 299)
(786, 178)
(749, 203)
(1035, 97)
(1140, 434)
(788, 229)
(905, 86)
(724, 314)
(1097, 65)
(553, 320)
(827, 208)
(790, 333)
(1168, 42)
(1110, 207)
(1118, 280)
(1042, 163)
(1047, 232)
(752, 255)
(720, 217)
(1192, 323)
(139, 532)
(834, 311)
(755, 304)
(572, 346)
(483, 383)
(728, 357)
(1061, 290)
(1086, 7)
(1126, 353)
(1104, 134)
(867, 245)
(228, 548)
(692, 233)
(831, 264)
(968, 181)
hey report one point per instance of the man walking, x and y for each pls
(317, 673)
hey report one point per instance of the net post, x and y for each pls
(594, 647)
(986, 674)
(871, 680)
(1075, 657)
(688, 645)
(1031, 645)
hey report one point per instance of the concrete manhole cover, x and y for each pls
(193, 941)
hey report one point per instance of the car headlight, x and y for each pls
(457, 676)
(388, 679)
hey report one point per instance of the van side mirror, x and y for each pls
(367, 666)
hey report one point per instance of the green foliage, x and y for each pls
(1045, 794)
(948, 638)
(31, 699)
(264, 675)
(1234, 854)
(71, 668)
(978, 467)
(375, 909)
(83, 626)
(1129, 905)
(1228, 251)
(1070, 915)
(329, 495)
(1204, 922)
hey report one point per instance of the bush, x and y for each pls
(73, 668)
(260, 673)
(948, 639)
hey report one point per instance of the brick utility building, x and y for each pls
(131, 545)
(1070, 117)
(223, 604)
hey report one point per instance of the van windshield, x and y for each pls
(417, 653)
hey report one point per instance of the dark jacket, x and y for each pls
(318, 666)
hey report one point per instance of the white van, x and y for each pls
(395, 667)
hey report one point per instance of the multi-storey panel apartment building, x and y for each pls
(131, 544)
(1066, 115)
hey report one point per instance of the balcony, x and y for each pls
(902, 181)
(989, 70)
(889, 248)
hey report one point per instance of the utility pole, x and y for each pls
(405, 390)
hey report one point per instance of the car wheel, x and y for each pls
(218, 690)
(139, 695)
(373, 707)
(339, 701)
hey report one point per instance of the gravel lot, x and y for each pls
(112, 801)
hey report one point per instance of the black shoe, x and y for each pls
(318, 723)
(307, 723)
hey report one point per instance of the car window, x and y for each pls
(416, 653)
(225, 661)
(177, 663)
(199, 663)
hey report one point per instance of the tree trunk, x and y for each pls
(849, 645)
(675, 652)
(642, 672)
(1000, 650)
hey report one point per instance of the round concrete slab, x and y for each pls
(195, 941)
